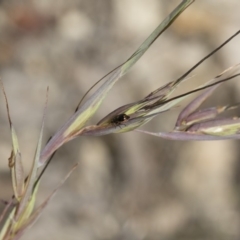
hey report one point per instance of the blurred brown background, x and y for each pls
(127, 186)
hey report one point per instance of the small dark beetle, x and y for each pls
(119, 119)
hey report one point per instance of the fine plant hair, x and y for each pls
(192, 124)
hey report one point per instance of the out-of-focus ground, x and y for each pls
(127, 186)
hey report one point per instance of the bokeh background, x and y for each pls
(127, 186)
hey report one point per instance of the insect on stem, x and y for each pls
(119, 119)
